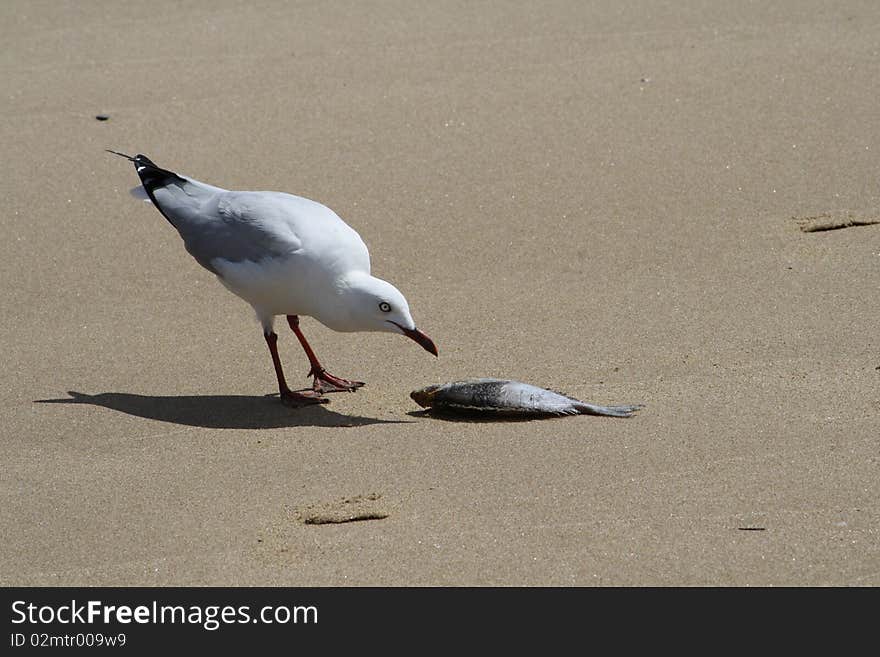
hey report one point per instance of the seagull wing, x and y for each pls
(219, 224)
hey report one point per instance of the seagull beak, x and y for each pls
(415, 334)
(426, 342)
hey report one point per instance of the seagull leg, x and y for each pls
(288, 396)
(324, 381)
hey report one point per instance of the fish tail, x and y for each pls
(626, 410)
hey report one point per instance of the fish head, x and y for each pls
(424, 397)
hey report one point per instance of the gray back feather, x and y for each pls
(233, 226)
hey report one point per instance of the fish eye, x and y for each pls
(385, 307)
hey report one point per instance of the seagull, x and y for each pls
(284, 255)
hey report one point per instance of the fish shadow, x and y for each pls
(477, 417)
(219, 411)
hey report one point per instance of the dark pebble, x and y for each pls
(102, 117)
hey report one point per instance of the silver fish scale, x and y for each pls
(501, 396)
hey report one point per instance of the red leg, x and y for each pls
(289, 397)
(324, 381)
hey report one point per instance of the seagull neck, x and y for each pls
(339, 309)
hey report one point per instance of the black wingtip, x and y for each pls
(140, 160)
(127, 157)
(151, 176)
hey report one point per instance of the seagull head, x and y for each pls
(376, 305)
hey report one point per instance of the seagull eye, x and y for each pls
(385, 307)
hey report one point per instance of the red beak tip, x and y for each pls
(423, 340)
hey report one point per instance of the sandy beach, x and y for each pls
(603, 198)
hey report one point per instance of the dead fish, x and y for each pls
(509, 397)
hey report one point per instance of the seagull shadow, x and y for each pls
(219, 411)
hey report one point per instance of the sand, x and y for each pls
(599, 197)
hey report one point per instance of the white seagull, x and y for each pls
(284, 255)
